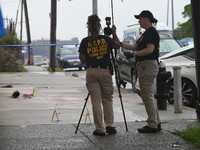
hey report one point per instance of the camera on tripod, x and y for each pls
(108, 30)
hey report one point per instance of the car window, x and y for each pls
(37, 59)
(65, 52)
(71, 51)
(128, 40)
(190, 42)
(190, 53)
(186, 41)
(168, 45)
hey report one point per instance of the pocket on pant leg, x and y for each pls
(93, 84)
(107, 84)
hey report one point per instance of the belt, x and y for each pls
(99, 67)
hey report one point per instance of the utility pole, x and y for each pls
(94, 7)
(30, 53)
(53, 35)
(21, 24)
(21, 27)
(172, 18)
(195, 5)
(167, 12)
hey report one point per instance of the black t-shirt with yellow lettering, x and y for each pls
(97, 53)
(150, 36)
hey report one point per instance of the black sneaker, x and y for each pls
(111, 130)
(147, 129)
(98, 133)
(159, 127)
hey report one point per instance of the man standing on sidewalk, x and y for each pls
(95, 51)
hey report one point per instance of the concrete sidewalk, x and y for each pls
(26, 123)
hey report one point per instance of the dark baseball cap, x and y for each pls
(146, 13)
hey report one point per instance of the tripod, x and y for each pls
(116, 75)
(118, 87)
(86, 99)
(120, 96)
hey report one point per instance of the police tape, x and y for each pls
(40, 44)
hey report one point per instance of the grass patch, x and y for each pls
(191, 134)
(24, 69)
(59, 69)
(75, 75)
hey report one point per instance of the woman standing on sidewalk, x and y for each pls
(146, 51)
(95, 51)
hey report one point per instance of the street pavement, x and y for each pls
(47, 111)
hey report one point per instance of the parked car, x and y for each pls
(186, 41)
(68, 57)
(126, 68)
(39, 60)
(185, 58)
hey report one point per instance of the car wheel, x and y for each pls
(61, 65)
(133, 80)
(189, 92)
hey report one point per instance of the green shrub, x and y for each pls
(9, 38)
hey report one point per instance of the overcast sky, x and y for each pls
(72, 15)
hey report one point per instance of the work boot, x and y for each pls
(111, 130)
(147, 129)
(99, 133)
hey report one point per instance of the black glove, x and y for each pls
(128, 55)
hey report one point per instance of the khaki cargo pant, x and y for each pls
(100, 87)
(147, 72)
